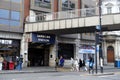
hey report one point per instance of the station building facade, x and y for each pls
(73, 45)
(42, 49)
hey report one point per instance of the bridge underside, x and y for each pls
(69, 31)
(75, 25)
(90, 29)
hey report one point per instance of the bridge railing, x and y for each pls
(87, 12)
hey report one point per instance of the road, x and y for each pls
(59, 76)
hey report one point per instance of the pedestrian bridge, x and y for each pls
(69, 22)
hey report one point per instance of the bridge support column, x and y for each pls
(24, 50)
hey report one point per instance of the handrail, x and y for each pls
(86, 12)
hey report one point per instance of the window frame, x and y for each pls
(109, 10)
(5, 14)
(68, 4)
(11, 17)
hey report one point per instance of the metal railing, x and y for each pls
(87, 12)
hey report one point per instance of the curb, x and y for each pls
(101, 74)
(98, 74)
(21, 72)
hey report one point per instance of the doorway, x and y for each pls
(110, 54)
(38, 55)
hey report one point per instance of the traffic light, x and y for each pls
(99, 38)
(98, 28)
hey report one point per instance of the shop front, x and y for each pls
(9, 49)
(86, 51)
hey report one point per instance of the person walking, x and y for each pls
(61, 61)
(72, 64)
(1, 62)
(80, 64)
(56, 63)
(76, 65)
(21, 61)
(84, 66)
(91, 62)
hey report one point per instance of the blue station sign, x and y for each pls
(43, 38)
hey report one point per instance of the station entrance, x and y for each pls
(38, 54)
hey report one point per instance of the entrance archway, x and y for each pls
(110, 54)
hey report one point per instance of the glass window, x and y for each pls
(44, 4)
(4, 22)
(84, 57)
(65, 50)
(63, 1)
(4, 13)
(14, 23)
(15, 15)
(48, 1)
(109, 10)
(11, 23)
(18, 1)
(67, 5)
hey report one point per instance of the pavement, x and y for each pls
(29, 70)
(108, 70)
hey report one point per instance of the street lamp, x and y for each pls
(99, 39)
(100, 47)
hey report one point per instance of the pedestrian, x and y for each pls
(17, 63)
(84, 66)
(72, 64)
(61, 61)
(56, 63)
(1, 62)
(76, 65)
(101, 65)
(91, 62)
(80, 64)
(21, 61)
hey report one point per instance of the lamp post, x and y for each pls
(99, 40)
(100, 14)
(100, 47)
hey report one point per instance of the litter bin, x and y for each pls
(11, 65)
(117, 63)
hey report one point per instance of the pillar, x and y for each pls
(78, 7)
(79, 4)
(52, 55)
(54, 8)
(104, 52)
(77, 48)
(24, 50)
(26, 8)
